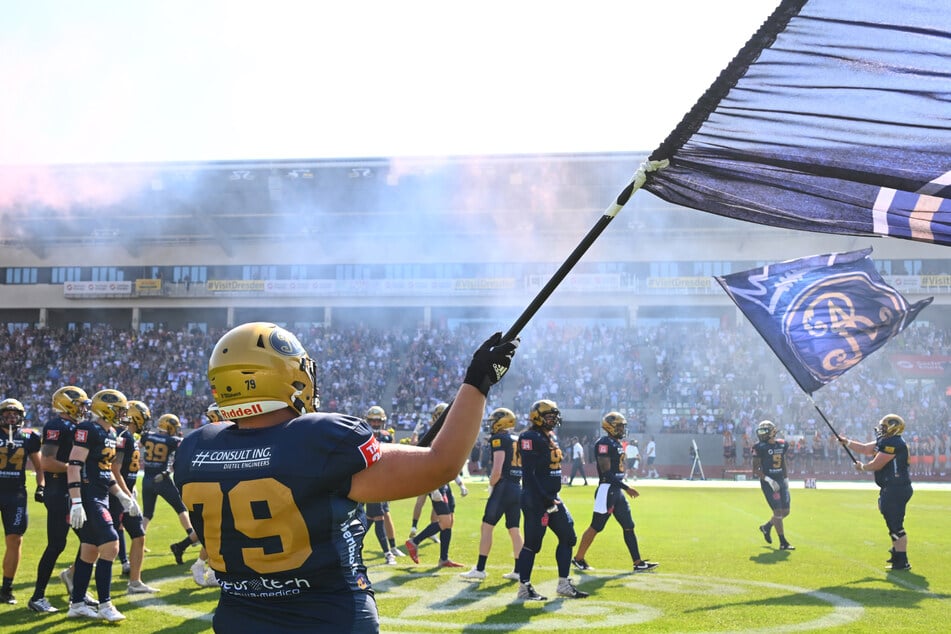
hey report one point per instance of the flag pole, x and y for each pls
(640, 177)
(834, 432)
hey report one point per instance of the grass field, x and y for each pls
(716, 574)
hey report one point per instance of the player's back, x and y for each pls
(273, 508)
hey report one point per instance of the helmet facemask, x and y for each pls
(545, 414)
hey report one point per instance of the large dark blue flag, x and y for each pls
(835, 117)
(821, 315)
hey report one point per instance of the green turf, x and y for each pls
(716, 574)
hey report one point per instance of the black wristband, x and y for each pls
(76, 463)
(74, 485)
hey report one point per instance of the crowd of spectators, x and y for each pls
(670, 378)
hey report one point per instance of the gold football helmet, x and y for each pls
(110, 405)
(71, 402)
(19, 413)
(766, 431)
(501, 419)
(890, 425)
(169, 424)
(437, 412)
(614, 424)
(545, 414)
(139, 416)
(376, 416)
(213, 413)
(260, 367)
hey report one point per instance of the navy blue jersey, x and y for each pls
(511, 464)
(896, 471)
(14, 452)
(541, 457)
(271, 506)
(101, 444)
(128, 450)
(772, 456)
(59, 431)
(157, 449)
(613, 451)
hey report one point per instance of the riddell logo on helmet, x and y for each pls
(239, 412)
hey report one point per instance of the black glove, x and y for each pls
(490, 362)
(38, 496)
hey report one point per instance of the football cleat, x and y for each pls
(178, 550)
(449, 563)
(568, 589)
(766, 530)
(435, 539)
(390, 558)
(199, 572)
(66, 577)
(513, 576)
(412, 551)
(581, 564)
(527, 593)
(138, 587)
(81, 610)
(900, 566)
(412, 532)
(126, 568)
(41, 605)
(645, 566)
(786, 546)
(397, 552)
(6, 596)
(473, 575)
(108, 612)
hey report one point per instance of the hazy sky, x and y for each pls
(170, 80)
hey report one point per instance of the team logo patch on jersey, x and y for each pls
(526, 444)
(496, 443)
(80, 435)
(52, 434)
(888, 449)
(602, 449)
(370, 450)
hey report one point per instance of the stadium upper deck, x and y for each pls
(416, 240)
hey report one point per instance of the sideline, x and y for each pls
(797, 483)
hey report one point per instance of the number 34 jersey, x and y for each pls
(271, 506)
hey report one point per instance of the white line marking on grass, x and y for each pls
(453, 596)
(157, 603)
(844, 610)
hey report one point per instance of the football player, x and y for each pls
(70, 406)
(506, 485)
(890, 465)
(275, 495)
(608, 498)
(378, 513)
(769, 464)
(125, 470)
(202, 574)
(158, 452)
(443, 517)
(16, 445)
(542, 509)
(90, 482)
